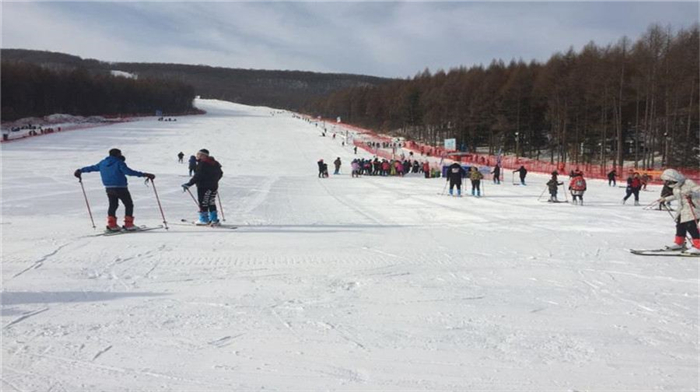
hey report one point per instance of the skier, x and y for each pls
(634, 184)
(337, 165)
(665, 192)
(426, 169)
(475, 176)
(612, 178)
(355, 150)
(206, 177)
(687, 192)
(553, 185)
(645, 180)
(320, 168)
(523, 173)
(180, 156)
(192, 164)
(113, 171)
(496, 174)
(454, 175)
(577, 186)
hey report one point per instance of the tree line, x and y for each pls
(31, 90)
(628, 101)
(280, 89)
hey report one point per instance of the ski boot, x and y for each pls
(214, 218)
(129, 224)
(112, 224)
(695, 250)
(459, 192)
(203, 218)
(678, 244)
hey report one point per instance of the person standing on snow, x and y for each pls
(553, 185)
(113, 171)
(320, 168)
(577, 187)
(475, 176)
(687, 192)
(180, 156)
(612, 178)
(634, 184)
(523, 173)
(496, 174)
(337, 164)
(206, 177)
(454, 175)
(192, 164)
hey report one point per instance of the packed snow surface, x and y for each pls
(328, 284)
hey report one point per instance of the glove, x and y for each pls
(185, 187)
(149, 176)
(77, 173)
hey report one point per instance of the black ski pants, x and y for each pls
(630, 192)
(688, 227)
(207, 198)
(116, 194)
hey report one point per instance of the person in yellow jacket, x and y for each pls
(475, 176)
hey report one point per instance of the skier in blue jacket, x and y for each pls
(113, 171)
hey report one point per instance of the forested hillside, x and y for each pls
(624, 101)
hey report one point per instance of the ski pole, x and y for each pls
(542, 194)
(192, 196)
(443, 189)
(221, 207)
(165, 223)
(677, 222)
(692, 210)
(80, 180)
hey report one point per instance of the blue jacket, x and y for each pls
(113, 172)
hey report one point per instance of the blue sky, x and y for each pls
(393, 39)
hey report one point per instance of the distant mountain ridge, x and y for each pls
(281, 89)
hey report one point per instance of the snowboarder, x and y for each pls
(577, 187)
(553, 185)
(454, 175)
(687, 192)
(634, 184)
(192, 164)
(113, 171)
(523, 173)
(475, 176)
(337, 164)
(612, 178)
(206, 177)
(180, 156)
(496, 174)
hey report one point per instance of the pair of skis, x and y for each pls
(138, 229)
(663, 252)
(186, 222)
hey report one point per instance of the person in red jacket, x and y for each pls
(426, 169)
(634, 184)
(577, 187)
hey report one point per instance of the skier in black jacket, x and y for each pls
(206, 176)
(523, 173)
(454, 175)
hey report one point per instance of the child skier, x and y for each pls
(454, 175)
(523, 173)
(634, 184)
(180, 156)
(577, 186)
(113, 171)
(687, 193)
(553, 185)
(206, 176)
(192, 166)
(475, 176)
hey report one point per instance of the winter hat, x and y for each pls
(204, 151)
(673, 175)
(115, 152)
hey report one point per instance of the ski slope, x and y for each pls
(329, 284)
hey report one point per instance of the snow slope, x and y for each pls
(328, 284)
